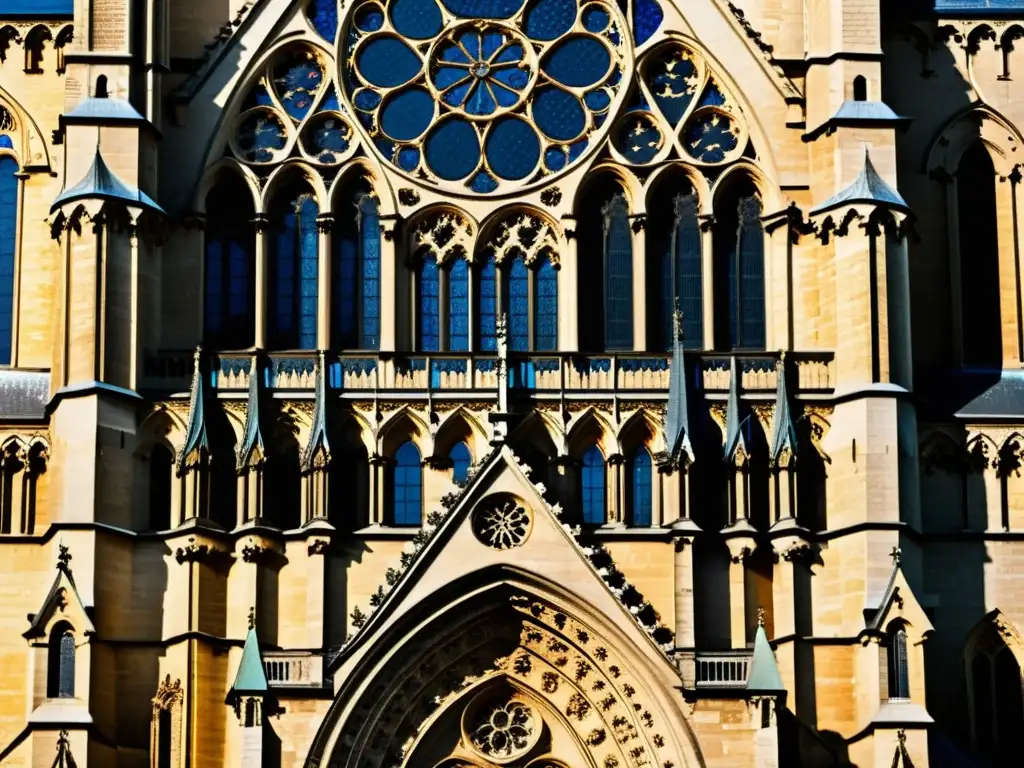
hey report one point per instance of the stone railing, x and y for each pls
(726, 669)
(462, 374)
(294, 669)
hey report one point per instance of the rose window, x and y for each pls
(502, 524)
(505, 730)
(483, 95)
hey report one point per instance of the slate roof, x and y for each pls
(866, 111)
(783, 431)
(677, 416)
(107, 109)
(100, 183)
(868, 187)
(252, 446)
(24, 394)
(735, 440)
(196, 438)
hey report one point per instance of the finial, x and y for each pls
(252, 617)
(782, 355)
(64, 557)
(198, 354)
(895, 555)
(502, 329)
(760, 617)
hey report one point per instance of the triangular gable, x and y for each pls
(456, 550)
(899, 601)
(61, 602)
(251, 677)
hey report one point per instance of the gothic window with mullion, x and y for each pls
(8, 242)
(529, 300)
(356, 290)
(293, 270)
(739, 283)
(229, 314)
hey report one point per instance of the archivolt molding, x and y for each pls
(977, 123)
(994, 622)
(33, 152)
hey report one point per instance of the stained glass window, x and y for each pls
(517, 306)
(487, 306)
(60, 682)
(687, 277)
(428, 306)
(592, 484)
(407, 486)
(640, 496)
(369, 264)
(461, 459)
(739, 270)
(294, 273)
(345, 245)
(545, 307)
(458, 306)
(899, 674)
(8, 234)
(502, 90)
(229, 311)
(618, 259)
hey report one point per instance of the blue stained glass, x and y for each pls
(598, 100)
(446, 77)
(545, 307)
(749, 292)
(512, 52)
(428, 307)
(549, 19)
(419, 19)
(513, 148)
(294, 260)
(689, 270)
(345, 275)
(369, 18)
(491, 42)
(640, 491)
(555, 158)
(618, 255)
(407, 486)
(452, 149)
(324, 15)
(595, 18)
(461, 459)
(578, 62)
(558, 114)
(369, 240)
(458, 306)
(260, 136)
(259, 96)
(593, 487)
(712, 97)
(387, 62)
(483, 9)
(480, 101)
(456, 95)
(506, 98)
(297, 80)
(408, 158)
(8, 228)
(5, 141)
(326, 137)
(710, 136)
(229, 316)
(366, 99)
(483, 182)
(672, 79)
(647, 17)
(330, 101)
(576, 149)
(639, 139)
(515, 79)
(407, 114)
(487, 306)
(517, 306)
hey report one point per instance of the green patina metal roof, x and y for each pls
(677, 416)
(251, 677)
(196, 438)
(783, 430)
(764, 672)
(735, 440)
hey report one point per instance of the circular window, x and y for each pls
(502, 523)
(483, 96)
(504, 730)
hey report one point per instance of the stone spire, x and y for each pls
(251, 451)
(197, 443)
(100, 183)
(677, 416)
(764, 671)
(784, 439)
(250, 678)
(317, 453)
(736, 451)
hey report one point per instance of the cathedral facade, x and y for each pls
(356, 412)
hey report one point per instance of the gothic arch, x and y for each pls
(34, 151)
(405, 425)
(287, 171)
(461, 425)
(996, 621)
(978, 122)
(216, 172)
(627, 180)
(589, 428)
(369, 169)
(744, 168)
(641, 428)
(502, 626)
(698, 181)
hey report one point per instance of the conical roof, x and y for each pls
(101, 183)
(868, 187)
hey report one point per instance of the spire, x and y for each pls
(100, 183)
(317, 453)
(196, 439)
(251, 450)
(764, 671)
(784, 438)
(64, 757)
(250, 677)
(868, 187)
(735, 442)
(677, 416)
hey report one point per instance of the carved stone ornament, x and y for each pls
(502, 523)
(503, 729)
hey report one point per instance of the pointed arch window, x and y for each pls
(618, 268)
(545, 306)
(458, 306)
(163, 754)
(461, 460)
(294, 272)
(517, 304)
(355, 270)
(407, 486)
(739, 271)
(230, 317)
(997, 701)
(592, 483)
(160, 472)
(60, 682)
(428, 305)
(8, 241)
(898, 671)
(640, 489)
(980, 309)
(487, 305)
(675, 266)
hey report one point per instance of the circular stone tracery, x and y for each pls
(487, 96)
(502, 524)
(505, 730)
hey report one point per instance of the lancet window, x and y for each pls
(230, 306)
(407, 486)
(605, 254)
(8, 239)
(160, 479)
(356, 290)
(739, 269)
(593, 496)
(674, 265)
(60, 680)
(294, 254)
(461, 459)
(996, 699)
(639, 495)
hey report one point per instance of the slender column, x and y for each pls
(738, 598)
(1008, 290)
(19, 237)
(707, 244)
(390, 314)
(378, 469)
(616, 490)
(316, 585)
(568, 290)
(262, 227)
(16, 475)
(783, 496)
(683, 573)
(324, 226)
(639, 227)
(953, 240)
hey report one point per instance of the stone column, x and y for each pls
(325, 227)
(262, 226)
